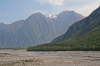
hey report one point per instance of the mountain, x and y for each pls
(81, 35)
(63, 20)
(83, 26)
(2, 26)
(36, 29)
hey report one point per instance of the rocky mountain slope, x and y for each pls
(83, 26)
(36, 29)
(81, 35)
(63, 20)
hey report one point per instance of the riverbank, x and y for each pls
(59, 58)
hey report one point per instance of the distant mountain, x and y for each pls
(36, 29)
(64, 20)
(2, 26)
(82, 35)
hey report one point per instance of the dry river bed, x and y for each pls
(59, 58)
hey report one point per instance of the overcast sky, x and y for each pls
(13, 10)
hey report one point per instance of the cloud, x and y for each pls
(56, 2)
(3, 13)
(52, 2)
(88, 8)
(84, 7)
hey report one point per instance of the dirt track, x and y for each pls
(64, 58)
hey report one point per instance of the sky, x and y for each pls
(14, 10)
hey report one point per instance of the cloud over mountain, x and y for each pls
(52, 2)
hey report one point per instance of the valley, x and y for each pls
(49, 32)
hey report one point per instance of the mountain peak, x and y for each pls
(67, 11)
(83, 27)
(37, 13)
